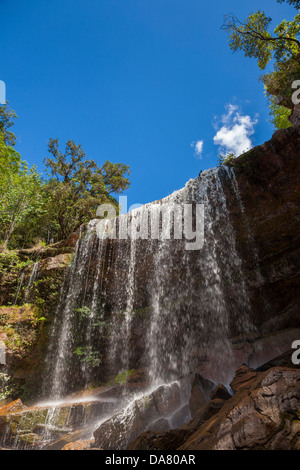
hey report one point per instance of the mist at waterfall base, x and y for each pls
(151, 306)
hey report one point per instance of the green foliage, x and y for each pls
(226, 159)
(280, 115)
(32, 207)
(279, 82)
(84, 312)
(22, 205)
(77, 186)
(21, 189)
(282, 47)
(255, 40)
(88, 356)
(122, 377)
(100, 324)
(10, 161)
(21, 328)
(7, 117)
(248, 36)
(6, 386)
(294, 3)
(10, 262)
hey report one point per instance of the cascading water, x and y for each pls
(19, 288)
(151, 305)
(231, 175)
(196, 311)
(33, 277)
(72, 297)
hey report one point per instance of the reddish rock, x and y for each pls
(79, 445)
(58, 262)
(242, 379)
(256, 417)
(12, 407)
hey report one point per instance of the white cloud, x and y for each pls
(234, 135)
(198, 147)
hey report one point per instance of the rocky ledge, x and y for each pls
(259, 410)
(263, 413)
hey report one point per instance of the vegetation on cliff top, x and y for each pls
(282, 48)
(36, 208)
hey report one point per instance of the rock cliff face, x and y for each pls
(268, 179)
(30, 285)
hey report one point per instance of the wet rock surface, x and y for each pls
(149, 410)
(268, 232)
(263, 413)
(29, 427)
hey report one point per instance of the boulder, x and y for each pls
(79, 445)
(12, 407)
(263, 414)
(6, 409)
(123, 427)
(243, 378)
(220, 392)
(173, 439)
(64, 440)
(201, 389)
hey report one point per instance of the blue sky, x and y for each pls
(149, 83)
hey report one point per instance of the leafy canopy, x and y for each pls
(34, 209)
(281, 46)
(21, 195)
(7, 117)
(77, 185)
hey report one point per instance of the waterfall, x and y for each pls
(199, 311)
(19, 288)
(151, 304)
(32, 279)
(139, 315)
(231, 175)
(59, 378)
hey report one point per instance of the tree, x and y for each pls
(279, 114)
(21, 189)
(10, 160)
(282, 46)
(32, 207)
(77, 186)
(7, 117)
(226, 159)
(21, 204)
(294, 3)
